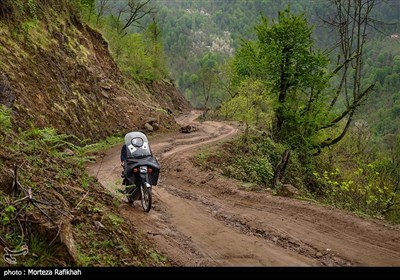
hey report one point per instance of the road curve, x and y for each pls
(200, 218)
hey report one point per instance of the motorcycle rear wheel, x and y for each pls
(146, 198)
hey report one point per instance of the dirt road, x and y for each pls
(202, 219)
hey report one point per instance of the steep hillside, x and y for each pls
(58, 83)
(57, 72)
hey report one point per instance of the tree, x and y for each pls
(154, 38)
(298, 79)
(86, 7)
(101, 8)
(292, 66)
(207, 77)
(392, 168)
(130, 14)
(283, 59)
(350, 21)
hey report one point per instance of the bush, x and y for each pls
(252, 159)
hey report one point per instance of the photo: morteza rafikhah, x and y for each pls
(33, 271)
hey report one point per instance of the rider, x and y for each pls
(123, 159)
(123, 154)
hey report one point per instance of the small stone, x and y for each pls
(151, 121)
(69, 152)
(208, 178)
(156, 126)
(98, 225)
(106, 86)
(186, 129)
(148, 127)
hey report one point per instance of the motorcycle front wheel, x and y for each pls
(146, 197)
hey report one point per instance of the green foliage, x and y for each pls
(251, 159)
(41, 253)
(357, 176)
(32, 8)
(280, 83)
(28, 8)
(193, 28)
(115, 221)
(255, 170)
(8, 214)
(140, 55)
(48, 141)
(132, 57)
(29, 25)
(157, 257)
(109, 142)
(85, 260)
(205, 83)
(153, 41)
(86, 7)
(19, 4)
(251, 104)
(44, 141)
(383, 66)
(365, 190)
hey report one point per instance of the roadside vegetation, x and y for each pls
(45, 189)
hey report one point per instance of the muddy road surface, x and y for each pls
(203, 219)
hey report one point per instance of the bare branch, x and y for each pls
(136, 11)
(351, 20)
(101, 8)
(330, 142)
(80, 201)
(354, 105)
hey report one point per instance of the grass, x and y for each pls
(85, 260)
(115, 220)
(201, 158)
(206, 155)
(307, 198)
(41, 253)
(101, 146)
(157, 257)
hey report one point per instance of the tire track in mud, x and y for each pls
(277, 236)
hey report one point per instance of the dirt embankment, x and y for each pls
(58, 72)
(203, 219)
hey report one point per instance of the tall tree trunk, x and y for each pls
(283, 87)
(280, 169)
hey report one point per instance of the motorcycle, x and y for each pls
(141, 170)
